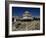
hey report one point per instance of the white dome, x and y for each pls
(26, 12)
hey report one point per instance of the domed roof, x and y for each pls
(26, 12)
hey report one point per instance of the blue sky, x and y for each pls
(18, 11)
